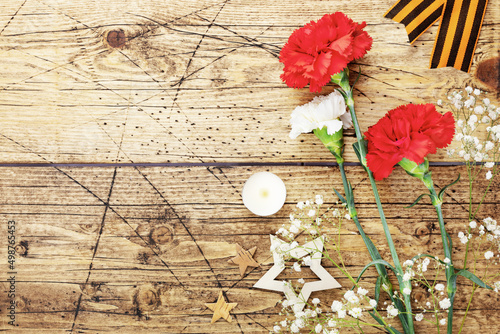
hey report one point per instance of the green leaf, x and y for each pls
(441, 193)
(450, 243)
(418, 200)
(342, 93)
(374, 263)
(378, 284)
(473, 278)
(358, 151)
(394, 330)
(342, 199)
(357, 77)
(416, 257)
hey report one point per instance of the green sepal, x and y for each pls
(441, 193)
(334, 142)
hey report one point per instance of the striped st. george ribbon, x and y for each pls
(458, 32)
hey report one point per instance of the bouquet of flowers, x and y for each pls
(317, 54)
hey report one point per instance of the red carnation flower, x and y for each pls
(410, 131)
(320, 49)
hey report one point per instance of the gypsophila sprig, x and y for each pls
(309, 221)
(478, 145)
(431, 301)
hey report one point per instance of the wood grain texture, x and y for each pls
(137, 249)
(192, 81)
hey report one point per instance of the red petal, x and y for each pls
(443, 130)
(381, 164)
(419, 146)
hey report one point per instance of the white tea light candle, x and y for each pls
(264, 193)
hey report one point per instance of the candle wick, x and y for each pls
(264, 193)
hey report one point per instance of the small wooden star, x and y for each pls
(244, 259)
(221, 309)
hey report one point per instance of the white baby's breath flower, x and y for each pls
(477, 91)
(439, 287)
(296, 266)
(488, 255)
(301, 281)
(407, 291)
(392, 311)
(337, 306)
(408, 263)
(469, 89)
(351, 297)
(319, 199)
(318, 328)
(446, 260)
(308, 260)
(332, 323)
(445, 303)
(294, 328)
(315, 301)
(479, 109)
(276, 329)
(489, 175)
(489, 164)
(419, 316)
(327, 110)
(362, 291)
(442, 321)
(373, 303)
(473, 224)
(311, 213)
(356, 312)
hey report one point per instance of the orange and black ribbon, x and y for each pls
(458, 32)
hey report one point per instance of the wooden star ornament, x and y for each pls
(244, 259)
(313, 248)
(221, 309)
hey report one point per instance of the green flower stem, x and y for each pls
(342, 79)
(382, 272)
(450, 271)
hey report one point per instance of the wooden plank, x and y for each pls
(142, 249)
(194, 82)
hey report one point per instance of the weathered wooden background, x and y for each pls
(128, 129)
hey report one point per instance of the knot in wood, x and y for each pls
(422, 231)
(22, 248)
(147, 299)
(162, 235)
(116, 38)
(488, 72)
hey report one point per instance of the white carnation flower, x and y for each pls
(320, 112)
